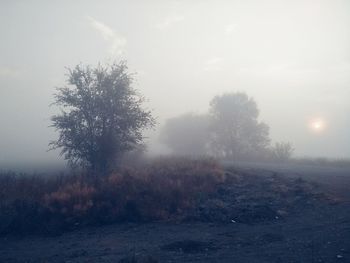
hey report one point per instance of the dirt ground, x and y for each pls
(307, 230)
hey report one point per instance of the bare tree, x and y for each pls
(235, 130)
(101, 116)
(282, 151)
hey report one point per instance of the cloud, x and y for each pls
(169, 21)
(231, 28)
(117, 42)
(213, 64)
(8, 72)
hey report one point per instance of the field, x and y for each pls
(241, 213)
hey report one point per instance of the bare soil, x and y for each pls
(262, 215)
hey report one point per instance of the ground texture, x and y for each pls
(259, 215)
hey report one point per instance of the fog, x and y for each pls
(292, 57)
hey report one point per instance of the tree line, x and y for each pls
(230, 131)
(102, 117)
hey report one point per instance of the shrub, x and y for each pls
(282, 151)
(161, 190)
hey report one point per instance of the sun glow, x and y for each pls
(317, 125)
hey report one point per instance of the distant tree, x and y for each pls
(235, 130)
(186, 134)
(101, 116)
(282, 151)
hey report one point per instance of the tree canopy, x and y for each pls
(235, 130)
(101, 115)
(231, 130)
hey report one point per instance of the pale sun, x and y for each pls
(317, 125)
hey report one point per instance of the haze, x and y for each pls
(292, 57)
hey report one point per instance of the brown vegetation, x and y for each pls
(161, 190)
(164, 189)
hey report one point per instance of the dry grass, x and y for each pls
(161, 190)
(327, 162)
(164, 189)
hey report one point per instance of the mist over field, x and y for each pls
(291, 57)
(175, 131)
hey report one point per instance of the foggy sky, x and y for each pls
(293, 57)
